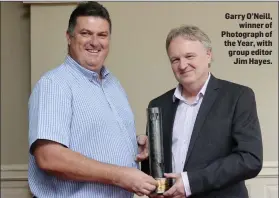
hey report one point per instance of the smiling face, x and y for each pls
(189, 60)
(89, 42)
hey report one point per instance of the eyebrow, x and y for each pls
(91, 31)
(191, 53)
(187, 54)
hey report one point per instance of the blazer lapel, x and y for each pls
(168, 120)
(208, 100)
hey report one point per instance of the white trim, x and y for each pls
(19, 172)
(14, 172)
(269, 170)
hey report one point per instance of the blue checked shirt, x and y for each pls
(70, 105)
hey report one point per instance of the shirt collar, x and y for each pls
(178, 91)
(86, 72)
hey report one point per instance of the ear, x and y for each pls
(209, 55)
(68, 36)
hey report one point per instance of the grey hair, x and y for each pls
(189, 32)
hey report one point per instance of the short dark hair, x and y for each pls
(90, 8)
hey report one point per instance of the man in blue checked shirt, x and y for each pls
(81, 128)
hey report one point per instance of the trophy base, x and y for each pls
(163, 185)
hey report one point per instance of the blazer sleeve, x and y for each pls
(245, 160)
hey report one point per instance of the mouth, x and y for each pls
(185, 72)
(93, 51)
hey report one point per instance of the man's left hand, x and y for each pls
(177, 190)
(143, 148)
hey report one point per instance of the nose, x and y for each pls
(183, 64)
(94, 40)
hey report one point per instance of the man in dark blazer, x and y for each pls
(211, 132)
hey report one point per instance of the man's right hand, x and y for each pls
(136, 181)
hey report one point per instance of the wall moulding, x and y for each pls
(19, 172)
